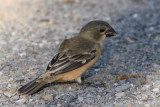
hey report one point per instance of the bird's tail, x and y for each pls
(31, 87)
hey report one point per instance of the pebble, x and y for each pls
(69, 88)
(143, 80)
(147, 105)
(135, 15)
(58, 105)
(108, 19)
(8, 94)
(129, 39)
(144, 96)
(119, 95)
(41, 45)
(80, 99)
(133, 97)
(156, 90)
(19, 78)
(36, 97)
(98, 96)
(20, 101)
(16, 97)
(1, 73)
(9, 85)
(122, 87)
(147, 86)
(15, 48)
(22, 54)
(3, 87)
(30, 99)
(96, 70)
(115, 84)
(48, 97)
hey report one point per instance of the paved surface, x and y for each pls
(31, 31)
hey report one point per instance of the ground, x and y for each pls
(31, 31)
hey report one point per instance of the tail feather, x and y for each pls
(31, 87)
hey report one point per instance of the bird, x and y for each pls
(75, 55)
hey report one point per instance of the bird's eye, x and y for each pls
(101, 30)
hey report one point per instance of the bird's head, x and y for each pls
(97, 31)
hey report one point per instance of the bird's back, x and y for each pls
(76, 45)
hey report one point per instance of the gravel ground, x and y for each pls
(31, 31)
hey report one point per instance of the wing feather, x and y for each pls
(66, 63)
(71, 56)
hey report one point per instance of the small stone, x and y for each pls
(122, 87)
(98, 96)
(142, 80)
(80, 98)
(33, 51)
(110, 62)
(41, 45)
(44, 20)
(130, 40)
(151, 28)
(37, 101)
(48, 97)
(58, 105)
(16, 97)
(9, 85)
(115, 83)
(22, 54)
(120, 94)
(14, 90)
(147, 105)
(96, 70)
(13, 33)
(57, 42)
(122, 81)
(69, 88)
(11, 79)
(30, 99)
(135, 15)
(147, 86)
(19, 78)
(1, 73)
(132, 97)
(132, 85)
(156, 66)
(8, 94)
(76, 19)
(21, 101)
(156, 90)
(3, 87)
(36, 97)
(108, 19)
(144, 96)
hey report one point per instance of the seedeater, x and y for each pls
(74, 56)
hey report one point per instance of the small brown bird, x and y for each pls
(74, 57)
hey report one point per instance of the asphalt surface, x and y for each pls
(31, 31)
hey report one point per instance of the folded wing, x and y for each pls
(62, 62)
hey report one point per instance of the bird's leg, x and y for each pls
(79, 80)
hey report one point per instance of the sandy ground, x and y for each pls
(31, 31)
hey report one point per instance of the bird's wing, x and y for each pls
(63, 62)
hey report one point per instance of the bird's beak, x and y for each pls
(111, 32)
